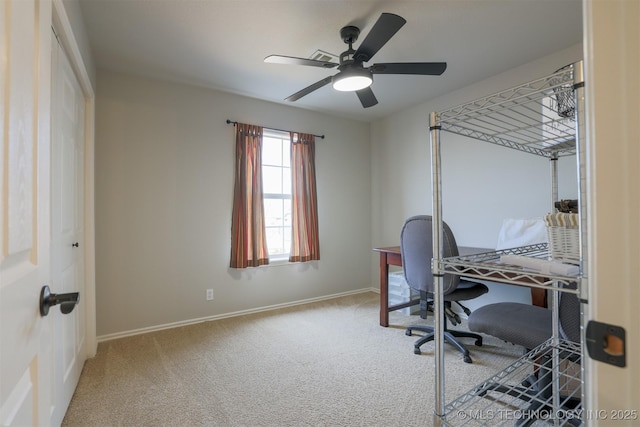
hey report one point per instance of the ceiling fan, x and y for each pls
(353, 75)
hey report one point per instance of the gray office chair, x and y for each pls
(527, 325)
(530, 326)
(417, 252)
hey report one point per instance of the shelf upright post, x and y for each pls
(436, 267)
(553, 163)
(581, 158)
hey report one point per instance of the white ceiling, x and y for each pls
(221, 44)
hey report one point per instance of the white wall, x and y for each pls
(164, 185)
(482, 183)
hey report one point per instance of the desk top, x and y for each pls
(389, 249)
(463, 250)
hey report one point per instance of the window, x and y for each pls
(275, 208)
(276, 187)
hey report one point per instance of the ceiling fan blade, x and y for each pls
(420, 68)
(387, 25)
(307, 90)
(367, 98)
(292, 60)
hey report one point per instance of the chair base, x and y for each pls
(449, 336)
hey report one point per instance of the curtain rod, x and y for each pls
(231, 122)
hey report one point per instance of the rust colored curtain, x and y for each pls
(305, 244)
(248, 236)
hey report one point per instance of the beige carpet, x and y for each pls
(322, 364)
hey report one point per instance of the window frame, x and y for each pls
(283, 196)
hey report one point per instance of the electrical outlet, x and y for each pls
(209, 294)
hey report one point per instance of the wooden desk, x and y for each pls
(390, 255)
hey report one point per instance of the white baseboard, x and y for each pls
(109, 337)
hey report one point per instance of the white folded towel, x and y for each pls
(541, 265)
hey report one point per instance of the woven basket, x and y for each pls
(565, 104)
(564, 237)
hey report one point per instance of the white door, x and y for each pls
(25, 340)
(67, 226)
(612, 59)
(41, 216)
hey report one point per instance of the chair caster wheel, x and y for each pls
(408, 332)
(467, 359)
(479, 342)
(416, 350)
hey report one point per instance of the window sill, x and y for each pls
(278, 262)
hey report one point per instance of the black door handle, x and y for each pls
(75, 245)
(67, 301)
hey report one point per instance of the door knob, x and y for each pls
(75, 245)
(67, 301)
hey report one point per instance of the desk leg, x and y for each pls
(539, 297)
(384, 290)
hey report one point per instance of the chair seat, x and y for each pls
(522, 324)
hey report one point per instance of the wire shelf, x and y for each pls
(523, 393)
(528, 117)
(488, 266)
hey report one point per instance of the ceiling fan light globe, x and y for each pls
(351, 82)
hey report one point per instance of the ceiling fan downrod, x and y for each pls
(349, 35)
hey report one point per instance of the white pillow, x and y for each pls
(521, 232)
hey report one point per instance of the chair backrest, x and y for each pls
(416, 248)
(569, 315)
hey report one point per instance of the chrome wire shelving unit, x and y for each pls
(543, 118)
